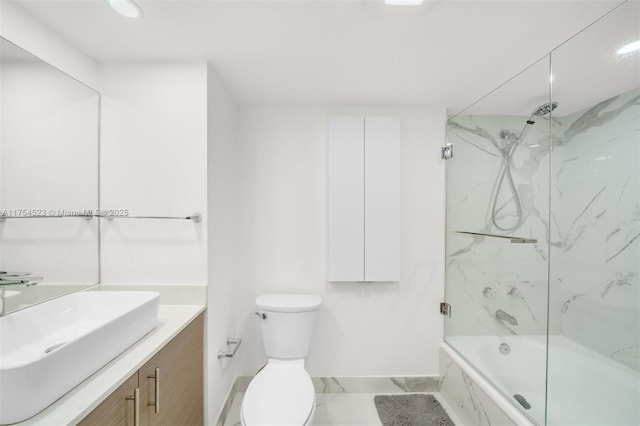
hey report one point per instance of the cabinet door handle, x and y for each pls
(156, 378)
(136, 406)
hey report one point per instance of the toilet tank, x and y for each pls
(287, 322)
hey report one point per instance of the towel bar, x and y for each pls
(196, 217)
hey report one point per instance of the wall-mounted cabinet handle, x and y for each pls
(156, 379)
(136, 406)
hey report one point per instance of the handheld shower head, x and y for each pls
(542, 110)
(507, 154)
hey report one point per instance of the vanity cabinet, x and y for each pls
(363, 199)
(116, 409)
(169, 387)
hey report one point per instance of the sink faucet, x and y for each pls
(14, 279)
(503, 316)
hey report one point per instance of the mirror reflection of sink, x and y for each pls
(10, 293)
(49, 348)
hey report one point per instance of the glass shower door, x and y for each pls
(594, 356)
(497, 244)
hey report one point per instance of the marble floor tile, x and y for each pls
(337, 409)
(346, 408)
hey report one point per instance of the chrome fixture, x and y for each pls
(445, 309)
(196, 217)
(541, 111)
(447, 152)
(522, 401)
(488, 292)
(507, 150)
(504, 348)
(14, 279)
(514, 292)
(18, 278)
(231, 341)
(4, 217)
(262, 315)
(505, 317)
(503, 238)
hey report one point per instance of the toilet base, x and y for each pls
(281, 394)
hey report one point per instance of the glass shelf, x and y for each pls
(503, 238)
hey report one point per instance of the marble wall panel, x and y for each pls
(595, 259)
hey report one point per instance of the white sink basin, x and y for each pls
(49, 348)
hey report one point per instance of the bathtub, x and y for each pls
(584, 387)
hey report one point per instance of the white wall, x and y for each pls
(222, 202)
(381, 329)
(19, 27)
(154, 163)
(266, 206)
(168, 148)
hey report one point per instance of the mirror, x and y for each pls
(49, 140)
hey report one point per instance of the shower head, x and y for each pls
(542, 110)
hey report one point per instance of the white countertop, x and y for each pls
(82, 399)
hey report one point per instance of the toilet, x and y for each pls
(281, 394)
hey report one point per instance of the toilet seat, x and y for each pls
(282, 394)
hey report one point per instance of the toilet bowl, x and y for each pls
(282, 394)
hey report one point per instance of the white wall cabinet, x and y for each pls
(363, 199)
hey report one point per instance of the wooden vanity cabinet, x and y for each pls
(179, 389)
(181, 380)
(117, 409)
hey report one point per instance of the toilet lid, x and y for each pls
(288, 302)
(279, 395)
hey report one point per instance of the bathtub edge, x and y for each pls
(500, 402)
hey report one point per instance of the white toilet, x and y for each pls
(281, 394)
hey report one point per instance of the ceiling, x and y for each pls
(323, 52)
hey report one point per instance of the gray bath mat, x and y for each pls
(411, 410)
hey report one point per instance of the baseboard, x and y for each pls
(375, 384)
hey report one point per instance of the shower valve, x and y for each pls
(514, 292)
(488, 292)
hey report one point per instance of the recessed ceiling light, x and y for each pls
(127, 8)
(628, 48)
(403, 2)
